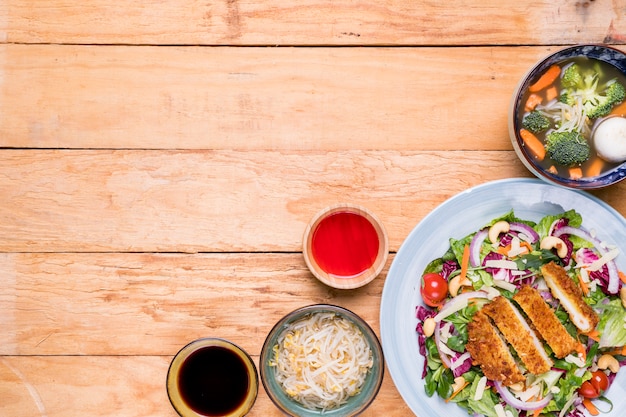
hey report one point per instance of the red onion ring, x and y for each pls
(517, 403)
(613, 286)
(475, 245)
(444, 358)
(526, 230)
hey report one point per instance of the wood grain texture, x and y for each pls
(154, 304)
(119, 97)
(222, 201)
(121, 386)
(159, 161)
(318, 22)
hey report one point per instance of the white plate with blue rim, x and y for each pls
(457, 217)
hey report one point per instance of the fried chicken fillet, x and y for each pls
(570, 296)
(519, 334)
(543, 319)
(490, 351)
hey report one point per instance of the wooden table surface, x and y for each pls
(160, 160)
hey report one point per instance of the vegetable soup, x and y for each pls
(560, 110)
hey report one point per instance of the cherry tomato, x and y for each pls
(600, 381)
(588, 391)
(434, 289)
(593, 388)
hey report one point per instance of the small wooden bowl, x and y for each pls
(345, 246)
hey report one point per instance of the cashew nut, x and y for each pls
(497, 228)
(459, 381)
(553, 242)
(455, 284)
(429, 327)
(622, 296)
(609, 362)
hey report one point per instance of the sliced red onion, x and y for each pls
(457, 303)
(515, 402)
(613, 285)
(444, 358)
(526, 230)
(475, 245)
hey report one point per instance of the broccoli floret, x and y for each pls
(567, 148)
(572, 78)
(536, 122)
(597, 100)
(615, 92)
(567, 98)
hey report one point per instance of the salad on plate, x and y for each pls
(524, 318)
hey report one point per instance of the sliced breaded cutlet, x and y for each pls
(517, 332)
(545, 321)
(490, 351)
(569, 294)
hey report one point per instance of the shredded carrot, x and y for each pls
(576, 173)
(457, 391)
(594, 334)
(533, 144)
(527, 246)
(551, 93)
(504, 250)
(593, 410)
(537, 412)
(546, 79)
(583, 286)
(619, 351)
(464, 265)
(622, 276)
(582, 351)
(619, 110)
(533, 101)
(595, 168)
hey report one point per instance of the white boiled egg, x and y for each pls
(610, 139)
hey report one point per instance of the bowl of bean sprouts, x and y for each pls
(322, 360)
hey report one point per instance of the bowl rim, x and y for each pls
(368, 331)
(611, 177)
(364, 277)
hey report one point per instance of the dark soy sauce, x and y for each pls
(213, 381)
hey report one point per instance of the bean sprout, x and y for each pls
(322, 360)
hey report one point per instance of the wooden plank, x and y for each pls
(121, 386)
(215, 201)
(154, 304)
(67, 96)
(319, 22)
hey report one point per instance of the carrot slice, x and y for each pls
(466, 383)
(551, 93)
(533, 144)
(533, 101)
(593, 410)
(546, 79)
(595, 168)
(464, 265)
(576, 173)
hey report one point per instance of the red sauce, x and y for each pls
(344, 244)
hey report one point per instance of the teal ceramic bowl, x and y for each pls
(355, 404)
